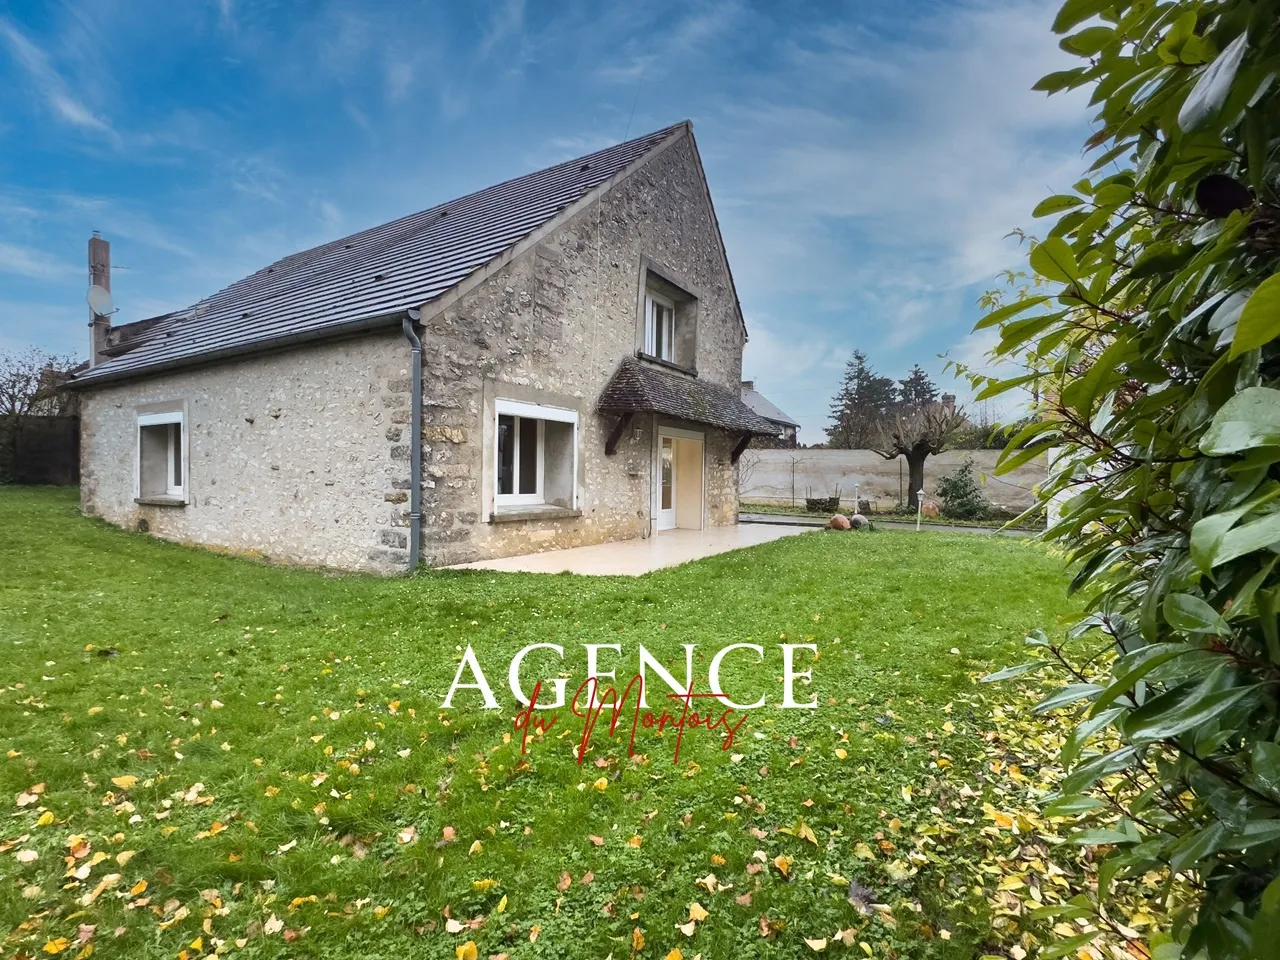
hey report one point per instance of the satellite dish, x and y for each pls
(100, 301)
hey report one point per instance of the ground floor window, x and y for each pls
(536, 455)
(162, 455)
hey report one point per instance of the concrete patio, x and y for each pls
(632, 558)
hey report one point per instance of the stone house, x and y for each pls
(786, 427)
(551, 362)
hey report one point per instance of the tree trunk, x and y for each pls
(915, 476)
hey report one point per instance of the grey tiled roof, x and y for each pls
(372, 276)
(637, 387)
(761, 405)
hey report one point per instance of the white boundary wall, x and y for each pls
(773, 475)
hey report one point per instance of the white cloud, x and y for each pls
(704, 26)
(399, 75)
(872, 180)
(33, 264)
(506, 23)
(50, 84)
(227, 14)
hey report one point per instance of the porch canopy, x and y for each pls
(637, 387)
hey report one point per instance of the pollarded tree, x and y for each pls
(917, 433)
(1152, 341)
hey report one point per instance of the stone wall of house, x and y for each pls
(551, 326)
(299, 456)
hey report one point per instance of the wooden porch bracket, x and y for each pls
(619, 428)
(742, 445)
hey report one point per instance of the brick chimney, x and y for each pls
(100, 275)
(949, 402)
(748, 384)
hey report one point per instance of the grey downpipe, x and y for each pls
(415, 439)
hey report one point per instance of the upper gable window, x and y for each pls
(670, 320)
(660, 327)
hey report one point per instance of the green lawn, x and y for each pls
(234, 755)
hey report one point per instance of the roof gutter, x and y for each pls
(331, 332)
(415, 436)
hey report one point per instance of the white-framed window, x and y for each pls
(659, 327)
(535, 454)
(162, 455)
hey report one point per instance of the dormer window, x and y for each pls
(660, 327)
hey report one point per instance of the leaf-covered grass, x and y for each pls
(206, 753)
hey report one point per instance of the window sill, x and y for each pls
(670, 365)
(160, 501)
(533, 511)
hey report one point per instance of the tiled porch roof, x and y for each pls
(637, 387)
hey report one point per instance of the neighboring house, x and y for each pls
(581, 349)
(786, 427)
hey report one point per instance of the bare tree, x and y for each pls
(917, 433)
(747, 464)
(31, 384)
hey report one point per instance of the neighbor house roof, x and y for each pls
(637, 387)
(370, 278)
(761, 405)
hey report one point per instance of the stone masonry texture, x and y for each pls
(288, 454)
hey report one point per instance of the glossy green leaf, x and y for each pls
(1075, 12)
(1089, 41)
(1184, 611)
(1054, 260)
(1071, 693)
(1211, 90)
(1182, 709)
(1009, 310)
(1009, 672)
(1249, 419)
(1056, 204)
(1195, 847)
(1259, 321)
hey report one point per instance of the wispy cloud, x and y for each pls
(33, 264)
(505, 23)
(50, 85)
(654, 46)
(227, 14)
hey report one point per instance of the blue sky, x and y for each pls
(866, 159)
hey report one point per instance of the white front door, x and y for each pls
(667, 486)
